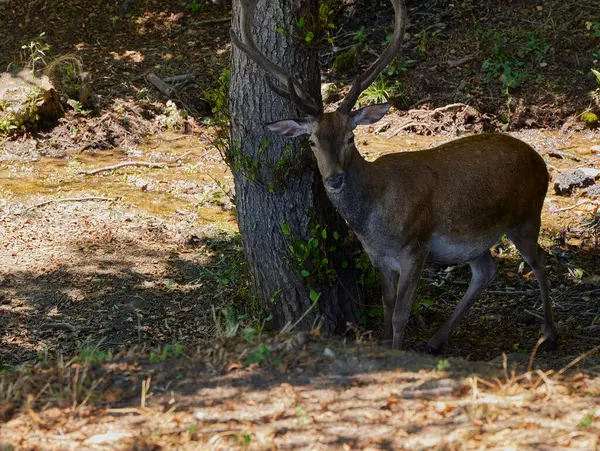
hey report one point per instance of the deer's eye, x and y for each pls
(311, 143)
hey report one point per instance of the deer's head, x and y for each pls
(331, 134)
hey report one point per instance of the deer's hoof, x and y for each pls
(428, 348)
(549, 344)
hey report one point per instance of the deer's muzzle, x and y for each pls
(335, 181)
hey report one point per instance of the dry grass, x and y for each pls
(355, 397)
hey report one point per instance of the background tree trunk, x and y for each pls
(265, 198)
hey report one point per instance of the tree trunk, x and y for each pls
(277, 182)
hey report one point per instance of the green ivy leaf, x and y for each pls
(304, 273)
(314, 296)
(285, 229)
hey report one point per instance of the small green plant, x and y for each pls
(195, 8)
(261, 354)
(167, 352)
(243, 440)
(443, 365)
(218, 99)
(78, 107)
(311, 258)
(363, 315)
(380, 91)
(426, 40)
(590, 118)
(517, 348)
(227, 322)
(420, 305)
(512, 67)
(587, 420)
(327, 9)
(300, 412)
(142, 94)
(345, 60)
(314, 30)
(593, 29)
(360, 37)
(90, 353)
(36, 52)
(12, 123)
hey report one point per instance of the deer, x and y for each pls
(447, 204)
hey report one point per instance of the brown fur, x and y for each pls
(448, 204)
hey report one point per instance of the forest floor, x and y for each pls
(127, 321)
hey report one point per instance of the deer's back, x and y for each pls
(478, 183)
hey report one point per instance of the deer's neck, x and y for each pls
(352, 202)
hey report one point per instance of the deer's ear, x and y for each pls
(369, 114)
(289, 127)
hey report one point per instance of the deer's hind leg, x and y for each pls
(483, 271)
(525, 239)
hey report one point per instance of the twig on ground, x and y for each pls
(293, 326)
(535, 348)
(534, 314)
(582, 202)
(402, 127)
(130, 163)
(65, 326)
(562, 154)
(449, 107)
(201, 23)
(460, 61)
(578, 359)
(180, 78)
(70, 199)
(155, 81)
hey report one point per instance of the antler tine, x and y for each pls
(295, 91)
(369, 76)
(292, 95)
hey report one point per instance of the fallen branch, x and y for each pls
(64, 326)
(511, 293)
(200, 24)
(402, 127)
(155, 81)
(180, 78)
(583, 202)
(449, 107)
(534, 314)
(578, 359)
(210, 22)
(70, 199)
(460, 61)
(560, 154)
(129, 163)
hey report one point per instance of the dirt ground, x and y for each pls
(127, 321)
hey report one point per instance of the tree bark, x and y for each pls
(266, 198)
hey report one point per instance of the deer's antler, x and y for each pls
(365, 80)
(293, 89)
